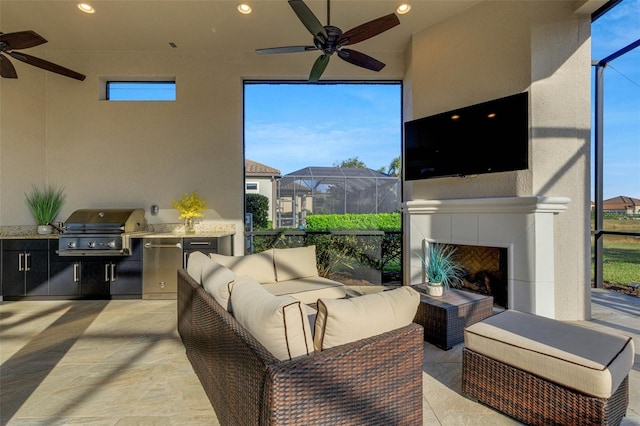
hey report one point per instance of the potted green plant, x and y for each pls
(45, 204)
(190, 206)
(440, 269)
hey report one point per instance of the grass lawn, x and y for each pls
(621, 254)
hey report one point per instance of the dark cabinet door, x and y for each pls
(64, 278)
(25, 268)
(13, 273)
(37, 273)
(222, 245)
(94, 279)
(126, 278)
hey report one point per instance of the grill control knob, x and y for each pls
(111, 244)
(91, 244)
(71, 244)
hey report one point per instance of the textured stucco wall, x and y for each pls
(542, 48)
(56, 130)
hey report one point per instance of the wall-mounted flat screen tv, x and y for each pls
(485, 138)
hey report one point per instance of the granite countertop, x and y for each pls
(168, 230)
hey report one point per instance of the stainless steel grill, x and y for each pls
(100, 232)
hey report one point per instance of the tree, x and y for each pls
(351, 162)
(258, 206)
(395, 167)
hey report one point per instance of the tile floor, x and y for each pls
(122, 363)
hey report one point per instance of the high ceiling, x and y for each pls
(209, 25)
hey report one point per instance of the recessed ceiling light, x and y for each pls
(403, 8)
(244, 8)
(86, 8)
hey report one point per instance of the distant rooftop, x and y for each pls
(253, 168)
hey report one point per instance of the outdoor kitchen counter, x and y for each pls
(34, 236)
(164, 231)
(29, 237)
(24, 232)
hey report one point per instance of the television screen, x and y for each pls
(485, 138)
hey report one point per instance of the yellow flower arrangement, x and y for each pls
(190, 206)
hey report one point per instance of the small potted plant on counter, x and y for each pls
(190, 206)
(440, 269)
(45, 204)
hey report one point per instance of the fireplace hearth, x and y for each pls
(487, 271)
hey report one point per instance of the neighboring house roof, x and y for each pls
(255, 169)
(621, 203)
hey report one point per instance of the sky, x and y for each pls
(293, 126)
(617, 29)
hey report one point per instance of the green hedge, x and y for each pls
(357, 222)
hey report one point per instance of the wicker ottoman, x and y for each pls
(543, 371)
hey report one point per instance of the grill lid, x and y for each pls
(105, 221)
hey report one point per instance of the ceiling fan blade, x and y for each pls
(318, 67)
(360, 59)
(21, 40)
(308, 18)
(285, 49)
(46, 65)
(7, 70)
(369, 29)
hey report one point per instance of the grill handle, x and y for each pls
(150, 246)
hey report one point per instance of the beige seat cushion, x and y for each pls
(195, 263)
(308, 290)
(280, 323)
(257, 265)
(217, 280)
(348, 320)
(577, 357)
(293, 263)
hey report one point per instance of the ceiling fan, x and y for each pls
(23, 40)
(330, 39)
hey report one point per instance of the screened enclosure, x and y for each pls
(333, 190)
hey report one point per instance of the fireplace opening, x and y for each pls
(486, 271)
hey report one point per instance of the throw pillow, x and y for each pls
(257, 265)
(217, 281)
(348, 320)
(195, 263)
(280, 323)
(293, 263)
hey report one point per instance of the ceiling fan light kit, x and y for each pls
(24, 40)
(329, 39)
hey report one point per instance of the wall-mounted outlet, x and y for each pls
(155, 209)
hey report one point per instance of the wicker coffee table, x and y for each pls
(444, 318)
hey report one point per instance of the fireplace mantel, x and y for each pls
(522, 225)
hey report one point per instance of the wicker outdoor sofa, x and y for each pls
(373, 381)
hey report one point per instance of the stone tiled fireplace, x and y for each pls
(522, 226)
